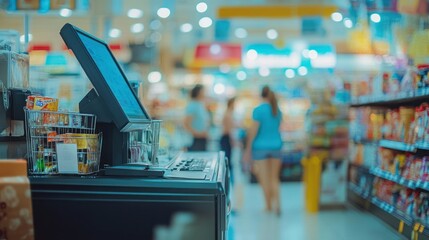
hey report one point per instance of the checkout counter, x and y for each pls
(123, 200)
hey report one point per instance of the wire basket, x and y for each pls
(62, 143)
(144, 144)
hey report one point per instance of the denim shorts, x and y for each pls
(265, 154)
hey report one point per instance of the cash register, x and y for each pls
(125, 201)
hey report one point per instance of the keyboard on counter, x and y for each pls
(193, 165)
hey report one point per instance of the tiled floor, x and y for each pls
(251, 223)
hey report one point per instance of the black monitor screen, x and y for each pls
(113, 76)
(117, 101)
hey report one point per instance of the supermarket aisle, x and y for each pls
(252, 223)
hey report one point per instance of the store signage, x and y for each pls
(269, 56)
(214, 54)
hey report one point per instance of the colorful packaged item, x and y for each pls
(16, 215)
(42, 103)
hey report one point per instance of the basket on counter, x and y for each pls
(144, 144)
(62, 142)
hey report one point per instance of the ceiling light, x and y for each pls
(137, 28)
(163, 12)
(272, 34)
(135, 13)
(375, 17)
(154, 77)
(306, 53)
(336, 17)
(155, 25)
(186, 27)
(241, 75)
(302, 71)
(115, 33)
(219, 88)
(240, 33)
(348, 23)
(264, 72)
(312, 54)
(65, 12)
(252, 54)
(205, 22)
(22, 38)
(215, 49)
(290, 73)
(201, 7)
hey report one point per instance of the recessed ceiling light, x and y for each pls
(186, 27)
(163, 12)
(137, 28)
(201, 7)
(252, 54)
(272, 34)
(115, 33)
(312, 54)
(290, 73)
(65, 12)
(348, 23)
(135, 13)
(375, 17)
(336, 17)
(241, 75)
(205, 22)
(219, 88)
(302, 71)
(154, 77)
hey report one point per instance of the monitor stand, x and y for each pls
(114, 151)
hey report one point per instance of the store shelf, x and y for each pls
(364, 141)
(394, 178)
(407, 98)
(395, 145)
(360, 167)
(422, 148)
(395, 218)
(358, 190)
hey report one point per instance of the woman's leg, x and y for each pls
(274, 181)
(261, 171)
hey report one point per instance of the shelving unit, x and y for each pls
(407, 98)
(405, 224)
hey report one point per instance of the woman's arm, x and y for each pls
(253, 130)
(187, 124)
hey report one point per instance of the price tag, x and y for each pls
(401, 227)
(416, 227)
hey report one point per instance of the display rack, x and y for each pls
(407, 225)
(406, 98)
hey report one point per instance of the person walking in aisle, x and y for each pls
(197, 120)
(264, 148)
(226, 139)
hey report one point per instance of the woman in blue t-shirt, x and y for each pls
(264, 148)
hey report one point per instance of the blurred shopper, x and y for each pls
(197, 120)
(264, 148)
(226, 139)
